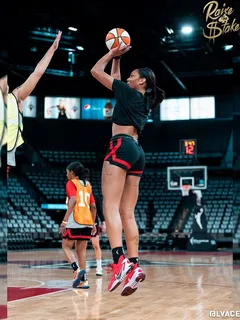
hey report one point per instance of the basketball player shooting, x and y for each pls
(124, 163)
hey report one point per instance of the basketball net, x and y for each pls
(185, 189)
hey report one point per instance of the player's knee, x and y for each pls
(96, 247)
(81, 246)
(65, 245)
(110, 208)
(126, 214)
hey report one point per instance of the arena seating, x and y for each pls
(153, 187)
(91, 159)
(165, 158)
(236, 239)
(164, 138)
(65, 157)
(50, 184)
(236, 214)
(156, 207)
(3, 222)
(26, 221)
(218, 199)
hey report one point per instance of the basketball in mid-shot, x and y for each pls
(117, 36)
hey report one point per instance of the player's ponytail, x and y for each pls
(86, 174)
(152, 91)
(158, 98)
(79, 170)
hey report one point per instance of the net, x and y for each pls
(185, 189)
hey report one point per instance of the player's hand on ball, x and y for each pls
(116, 52)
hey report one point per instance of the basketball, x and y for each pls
(117, 36)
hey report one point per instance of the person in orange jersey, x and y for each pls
(78, 223)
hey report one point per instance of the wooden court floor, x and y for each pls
(178, 286)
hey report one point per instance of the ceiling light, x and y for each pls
(187, 30)
(80, 48)
(228, 47)
(72, 28)
(169, 30)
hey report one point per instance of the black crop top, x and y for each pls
(132, 107)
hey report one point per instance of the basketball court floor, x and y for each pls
(179, 285)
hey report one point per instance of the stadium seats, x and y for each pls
(66, 157)
(236, 214)
(218, 199)
(153, 188)
(3, 222)
(156, 206)
(26, 221)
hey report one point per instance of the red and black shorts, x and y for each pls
(125, 152)
(97, 232)
(77, 234)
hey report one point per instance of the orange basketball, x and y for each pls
(117, 36)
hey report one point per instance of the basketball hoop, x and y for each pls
(185, 189)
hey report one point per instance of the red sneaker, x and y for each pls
(119, 271)
(132, 281)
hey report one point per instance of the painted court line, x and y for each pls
(40, 295)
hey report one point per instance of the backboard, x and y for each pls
(196, 176)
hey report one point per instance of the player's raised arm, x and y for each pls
(98, 69)
(115, 70)
(24, 90)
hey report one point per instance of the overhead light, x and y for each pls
(187, 30)
(169, 30)
(72, 28)
(167, 39)
(228, 47)
(80, 48)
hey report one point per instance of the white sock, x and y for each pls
(99, 263)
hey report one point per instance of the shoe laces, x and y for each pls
(110, 268)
